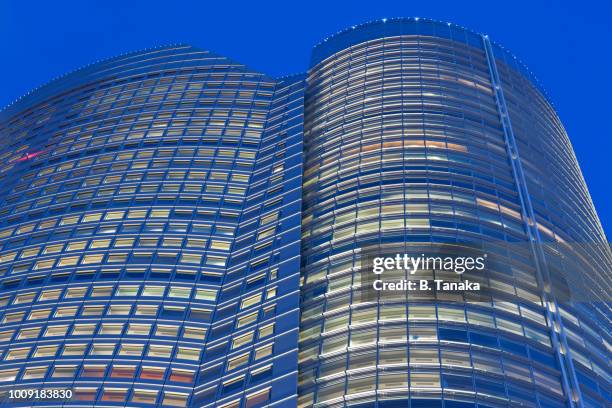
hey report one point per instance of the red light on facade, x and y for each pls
(29, 156)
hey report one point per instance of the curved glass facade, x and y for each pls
(144, 203)
(179, 230)
(423, 132)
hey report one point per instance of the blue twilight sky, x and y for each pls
(565, 43)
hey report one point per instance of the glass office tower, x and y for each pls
(179, 230)
(150, 233)
(419, 132)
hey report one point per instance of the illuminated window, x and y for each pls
(92, 311)
(194, 333)
(114, 394)
(117, 258)
(13, 317)
(56, 331)
(258, 399)
(167, 331)
(47, 224)
(206, 294)
(455, 358)
(25, 228)
(159, 213)
(49, 295)
(191, 258)
(137, 214)
(76, 246)
(266, 330)
(91, 217)
(17, 354)
(70, 220)
(119, 310)
(7, 257)
(269, 218)
(8, 375)
(247, 319)
(152, 373)
(124, 242)
(159, 351)
(424, 380)
(421, 312)
(102, 349)
(180, 292)
(85, 393)
(75, 293)
(28, 333)
(215, 260)
(93, 370)
(83, 329)
(6, 335)
(134, 350)
(46, 264)
(74, 349)
(101, 291)
(111, 329)
(250, 301)
(29, 253)
(196, 243)
(220, 245)
(178, 375)
(127, 290)
(263, 352)
(456, 315)
(271, 293)
(175, 399)
(114, 215)
(146, 310)
(237, 362)
(242, 340)
(64, 371)
(24, 298)
(99, 243)
(139, 329)
(187, 353)
(39, 314)
(92, 259)
(53, 249)
(172, 242)
(266, 233)
(144, 396)
(34, 373)
(157, 291)
(68, 261)
(122, 371)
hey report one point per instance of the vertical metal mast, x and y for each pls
(560, 346)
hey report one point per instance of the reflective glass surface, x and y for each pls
(422, 132)
(177, 229)
(150, 233)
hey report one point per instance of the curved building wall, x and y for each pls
(575, 250)
(409, 139)
(126, 188)
(252, 345)
(177, 229)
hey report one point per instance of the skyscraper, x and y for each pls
(417, 131)
(177, 229)
(151, 230)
